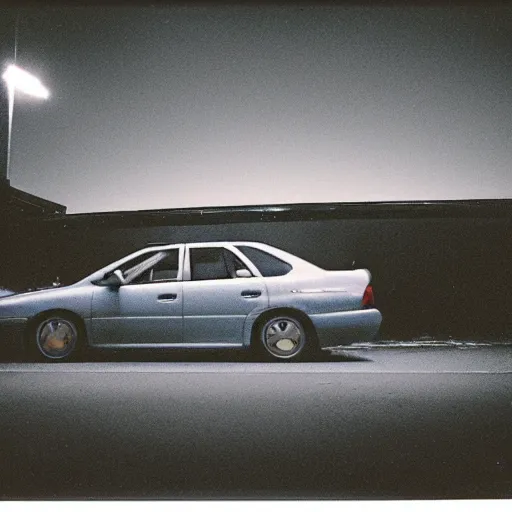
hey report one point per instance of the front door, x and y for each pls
(216, 301)
(146, 311)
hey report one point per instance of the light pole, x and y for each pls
(17, 79)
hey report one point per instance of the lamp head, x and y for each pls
(20, 80)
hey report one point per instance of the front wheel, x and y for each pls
(283, 338)
(57, 338)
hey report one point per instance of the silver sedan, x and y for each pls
(199, 295)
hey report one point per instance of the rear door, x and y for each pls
(215, 301)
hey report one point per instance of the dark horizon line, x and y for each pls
(477, 208)
(30, 4)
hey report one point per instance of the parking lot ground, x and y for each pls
(370, 423)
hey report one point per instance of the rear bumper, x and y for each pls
(346, 327)
(12, 334)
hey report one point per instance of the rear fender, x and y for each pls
(253, 317)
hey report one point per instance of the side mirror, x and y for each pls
(243, 272)
(114, 280)
(119, 276)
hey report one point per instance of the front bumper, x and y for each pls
(12, 335)
(346, 327)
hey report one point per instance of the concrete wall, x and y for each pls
(437, 276)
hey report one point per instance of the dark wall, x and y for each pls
(438, 276)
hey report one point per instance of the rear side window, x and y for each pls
(233, 263)
(268, 265)
(208, 263)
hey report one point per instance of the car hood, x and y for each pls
(27, 293)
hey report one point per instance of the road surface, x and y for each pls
(385, 423)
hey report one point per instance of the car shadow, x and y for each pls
(186, 356)
(341, 357)
(205, 356)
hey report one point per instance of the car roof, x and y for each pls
(163, 246)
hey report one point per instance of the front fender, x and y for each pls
(27, 305)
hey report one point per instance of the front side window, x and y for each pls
(131, 266)
(214, 263)
(152, 267)
(266, 263)
(164, 268)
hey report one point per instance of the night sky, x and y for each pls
(184, 107)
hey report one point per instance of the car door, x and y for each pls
(216, 301)
(148, 309)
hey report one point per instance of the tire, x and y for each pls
(282, 338)
(56, 337)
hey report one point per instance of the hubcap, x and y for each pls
(56, 338)
(283, 337)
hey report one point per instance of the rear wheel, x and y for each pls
(57, 337)
(283, 337)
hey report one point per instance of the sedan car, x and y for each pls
(198, 295)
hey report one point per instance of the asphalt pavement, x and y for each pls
(384, 423)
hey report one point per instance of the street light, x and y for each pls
(17, 79)
(21, 80)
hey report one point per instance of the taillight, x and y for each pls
(368, 299)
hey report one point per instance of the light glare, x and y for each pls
(21, 80)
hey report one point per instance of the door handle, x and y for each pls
(167, 297)
(251, 294)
